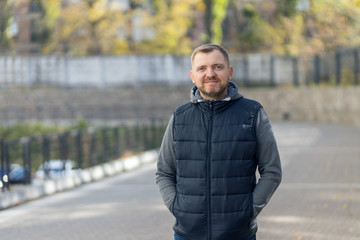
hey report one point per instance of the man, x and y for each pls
(210, 152)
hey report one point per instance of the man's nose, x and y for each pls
(210, 73)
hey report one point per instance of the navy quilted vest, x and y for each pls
(215, 147)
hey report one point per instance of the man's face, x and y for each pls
(211, 74)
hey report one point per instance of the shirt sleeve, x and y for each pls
(269, 165)
(166, 168)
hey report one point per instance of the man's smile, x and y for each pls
(211, 81)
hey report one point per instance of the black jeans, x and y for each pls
(178, 237)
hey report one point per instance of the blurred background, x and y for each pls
(75, 65)
(86, 82)
(63, 60)
(138, 27)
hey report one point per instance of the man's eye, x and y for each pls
(219, 67)
(201, 69)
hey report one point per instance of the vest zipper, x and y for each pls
(209, 171)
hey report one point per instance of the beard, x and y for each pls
(213, 94)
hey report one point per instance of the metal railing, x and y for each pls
(339, 67)
(85, 148)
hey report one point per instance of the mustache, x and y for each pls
(212, 79)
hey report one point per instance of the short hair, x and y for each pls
(209, 47)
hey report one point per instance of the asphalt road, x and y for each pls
(319, 198)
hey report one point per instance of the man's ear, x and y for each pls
(230, 72)
(192, 76)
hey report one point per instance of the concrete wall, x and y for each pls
(107, 71)
(306, 104)
(311, 104)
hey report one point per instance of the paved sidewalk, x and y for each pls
(319, 198)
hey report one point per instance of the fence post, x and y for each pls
(78, 143)
(2, 171)
(7, 166)
(338, 67)
(116, 143)
(46, 154)
(67, 74)
(153, 133)
(147, 131)
(29, 161)
(63, 147)
(272, 71)
(105, 145)
(127, 137)
(122, 141)
(246, 71)
(138, 139)
(26, 160)
(356, 67)
(93, 159)
(316, 69)
(295, 64)
(158, 133)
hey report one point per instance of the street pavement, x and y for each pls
(318, 199)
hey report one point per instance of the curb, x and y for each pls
(81, 176)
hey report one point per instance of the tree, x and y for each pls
(208, 18)
(219, 11)
(249, 30)
(93, 27)
(85, 28)
(171, 23)
(277, 26)
(214, 15)
(52, 10)
(332, 24)
(286, 8)
(5, 20)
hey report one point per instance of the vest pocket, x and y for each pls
(189, 212)
(232, 213)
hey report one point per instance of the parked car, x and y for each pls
(56, 168)
(17, 174)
